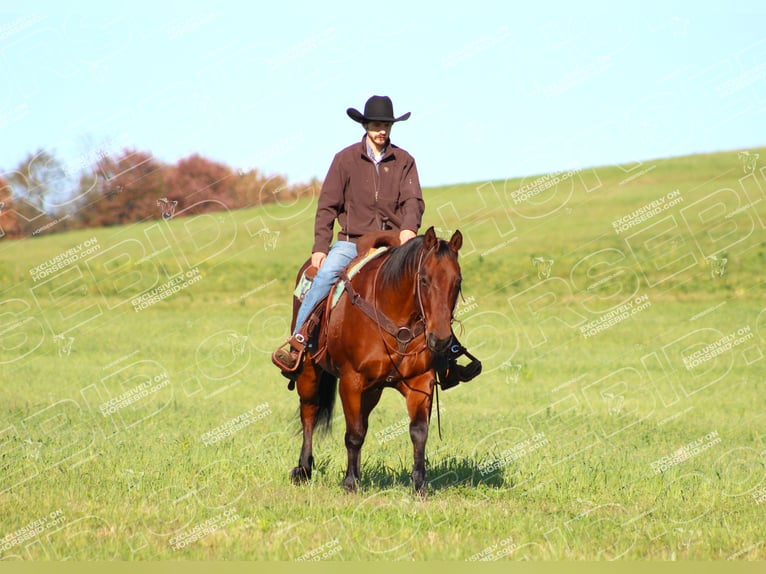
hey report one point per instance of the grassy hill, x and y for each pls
(618, 312)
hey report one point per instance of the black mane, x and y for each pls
(401, 263)
(403, 260)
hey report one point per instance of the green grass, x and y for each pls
(575, 426)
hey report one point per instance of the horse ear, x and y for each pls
(456, 241)
(429, 240)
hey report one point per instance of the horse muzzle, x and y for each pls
(438, 345)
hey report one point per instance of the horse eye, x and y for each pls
(424, 280)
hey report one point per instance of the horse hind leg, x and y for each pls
(308, 391)
(302, 472)
(316, 389)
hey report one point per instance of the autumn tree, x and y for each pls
(9, 225)
(37, 178)
(128, 189)
(195, 179)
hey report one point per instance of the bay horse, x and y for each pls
(388, 329)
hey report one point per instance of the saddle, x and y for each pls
(369, 246)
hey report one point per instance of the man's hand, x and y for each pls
(405, 235)
(317, 258)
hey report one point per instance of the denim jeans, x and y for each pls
(340, 255)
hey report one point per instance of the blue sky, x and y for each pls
(496, 89)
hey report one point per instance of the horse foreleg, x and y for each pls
(307, 385)
(418, 394)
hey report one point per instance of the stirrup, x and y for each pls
(455, 374)
(290, 344)
(468, 372)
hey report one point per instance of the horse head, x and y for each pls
(438, 287)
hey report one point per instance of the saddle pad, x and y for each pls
(303, 286)
(340, 286)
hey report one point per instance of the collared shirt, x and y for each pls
(371, 154)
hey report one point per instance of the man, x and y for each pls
(372, 185)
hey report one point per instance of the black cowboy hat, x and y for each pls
(377, 109)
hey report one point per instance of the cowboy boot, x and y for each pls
(289, 355)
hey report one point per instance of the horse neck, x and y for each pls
(398, 301)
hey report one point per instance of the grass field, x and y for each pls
(618, 311)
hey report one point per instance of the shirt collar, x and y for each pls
(371, 153)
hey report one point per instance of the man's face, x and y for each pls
(379, 132)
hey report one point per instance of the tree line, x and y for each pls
(43, 195)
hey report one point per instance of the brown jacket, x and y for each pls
(363, 200)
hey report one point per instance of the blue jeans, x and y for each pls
(340, 255)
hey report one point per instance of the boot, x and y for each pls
(287, 360)
(288, 356)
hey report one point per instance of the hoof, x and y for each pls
(419, 484)
(350, 484)
(300, 475)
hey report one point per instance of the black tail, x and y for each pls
(327, 392)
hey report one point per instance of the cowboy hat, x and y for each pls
(377, 109)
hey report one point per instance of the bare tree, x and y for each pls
(38, 178)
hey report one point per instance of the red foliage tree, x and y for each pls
(9, 224)
(195, 180)
(134, 186)
(130, 185)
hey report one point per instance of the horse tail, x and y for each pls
(328, 384)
